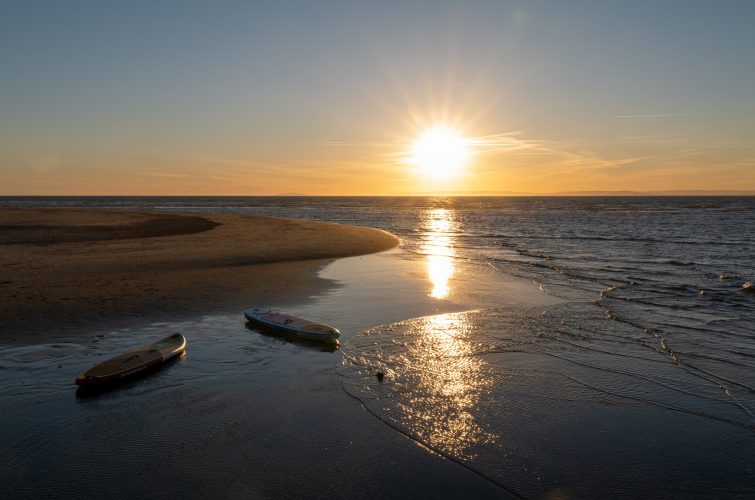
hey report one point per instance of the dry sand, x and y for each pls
(62, 269)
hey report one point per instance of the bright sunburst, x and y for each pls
(440, 153)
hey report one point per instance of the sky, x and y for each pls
(327, 97)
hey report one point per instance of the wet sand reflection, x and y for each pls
(449, 381)
(435, 379)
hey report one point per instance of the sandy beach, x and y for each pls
(66, 268)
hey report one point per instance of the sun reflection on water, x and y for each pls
(434, 378)
(430, 380)
(439, 224)
(447, 380)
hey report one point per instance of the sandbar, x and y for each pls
(61, 269)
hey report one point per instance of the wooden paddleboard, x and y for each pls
(133, 362)
(298, 327)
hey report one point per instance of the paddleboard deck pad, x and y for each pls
(298, 327)
(133, 362)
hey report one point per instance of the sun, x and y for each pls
(440, 152)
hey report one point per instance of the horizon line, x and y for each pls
(682, 192)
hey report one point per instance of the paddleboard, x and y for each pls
(301, 328)
(133, 362)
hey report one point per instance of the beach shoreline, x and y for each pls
(515, 359)
(63, 269)
(247, 390)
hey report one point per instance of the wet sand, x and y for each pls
(70, 268)
(244, 414)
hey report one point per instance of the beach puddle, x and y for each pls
(28, 356)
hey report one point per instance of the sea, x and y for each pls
(635, 379)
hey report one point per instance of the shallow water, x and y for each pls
(608, 347)
(244, 413)
(551, 400)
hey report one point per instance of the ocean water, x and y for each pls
(636, 381)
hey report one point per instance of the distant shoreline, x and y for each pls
(503, 194)
(63, 268)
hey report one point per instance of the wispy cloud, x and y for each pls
(212, 158)
(658, 115)
(354, 143)
(541, 161)
(168, 175)
(506, 141)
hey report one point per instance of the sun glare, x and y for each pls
(440, 153)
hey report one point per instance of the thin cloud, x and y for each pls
(168, 175)
(214, 159)
(506, 141)
(354, 143)
(658, 115)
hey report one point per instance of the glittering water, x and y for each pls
(557, 400)
(639, 381)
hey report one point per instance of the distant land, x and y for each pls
(687, 192)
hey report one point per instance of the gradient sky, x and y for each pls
(324, 97)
